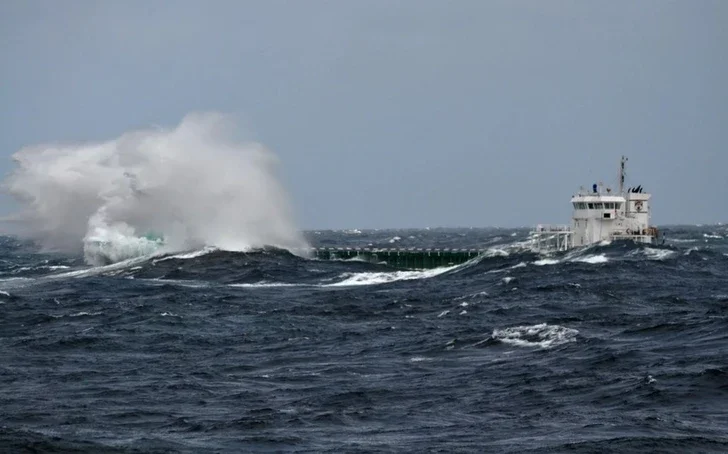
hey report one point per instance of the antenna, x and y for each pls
(621, 174)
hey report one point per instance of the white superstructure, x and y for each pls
(601, 214)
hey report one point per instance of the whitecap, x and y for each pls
(495, 252)
(83, 314)
(419, 359)
(357, 258)
(373, 278)
(43, 267)
(543, 262)
(189, 255)
(182, 282)
(263, 284)
(77, 314)
(541, 335)
(657, 254)
(593, 259)
(471, 296)
(124, 264)
(15, 282)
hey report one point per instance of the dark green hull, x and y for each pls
(401, 258)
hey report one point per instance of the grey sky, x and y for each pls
(398, 113)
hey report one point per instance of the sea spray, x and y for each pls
(194, 185)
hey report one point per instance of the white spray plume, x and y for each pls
(196, 185)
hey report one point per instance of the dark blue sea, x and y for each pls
(613, 348)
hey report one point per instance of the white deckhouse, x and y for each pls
(601, 215)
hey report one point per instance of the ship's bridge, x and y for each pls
(606, 203)
(598, 216)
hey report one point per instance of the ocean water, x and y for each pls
(613, 348)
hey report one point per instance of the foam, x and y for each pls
(592, 259)
(657, 254)
(189, 255)
(43, 267)
(544, 262)
(85, 314)
(496, 252)
(96, 270)
(541, 335)
(264, 284)
(419, 359)
(374, 278)
(181, 282)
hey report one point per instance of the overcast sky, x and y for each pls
(392, 113)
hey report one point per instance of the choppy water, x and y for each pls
(614, 348)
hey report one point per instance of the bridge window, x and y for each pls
(598, 206)
(619, 205)
(591, 206)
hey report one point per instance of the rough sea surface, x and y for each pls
(613, 348)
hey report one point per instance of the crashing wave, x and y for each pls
(106, 250)
(197, 183)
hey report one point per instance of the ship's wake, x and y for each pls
(153, 191)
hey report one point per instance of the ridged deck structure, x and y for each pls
(412, 258)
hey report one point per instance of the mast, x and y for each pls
(621, 174)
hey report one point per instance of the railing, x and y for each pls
(551, 237)
(546, 228)
(634, 237)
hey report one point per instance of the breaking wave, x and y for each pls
(372, 278)
(152, 190)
